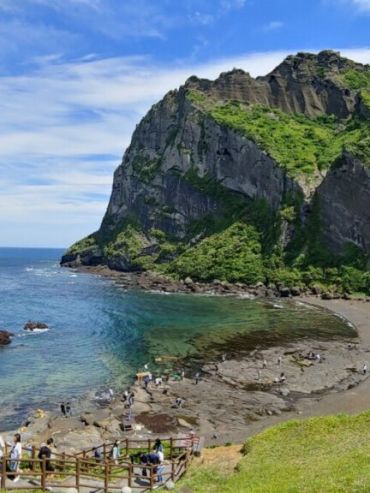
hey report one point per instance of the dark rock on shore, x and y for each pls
(5, 337)
(31, 326)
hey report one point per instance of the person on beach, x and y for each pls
(264, 364)
(364, 369)
(223, 357)
(158, 446)
(63, 409)
(197, 378)
(282, 378)
(158, 381)
(125, 395)
(318, 358)
(146, 381)
(179, 402)
(68, 409)
(182, 374)
(15, 457)
(279, 360)
(131, 399)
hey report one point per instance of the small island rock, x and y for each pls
(30, 325)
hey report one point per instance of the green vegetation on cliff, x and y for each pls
(326, 454)
(233, 255)
(299, 144)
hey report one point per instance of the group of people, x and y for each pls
(65, 409)
(15, 456)
(155, 458)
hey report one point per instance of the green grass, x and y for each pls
(300, 145)
(317, 455)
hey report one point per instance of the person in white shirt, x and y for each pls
(2, 447)
(16, 455)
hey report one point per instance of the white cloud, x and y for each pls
(272, 26)
(63, 129)
(363, 5)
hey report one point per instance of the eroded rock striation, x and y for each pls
(286, 154)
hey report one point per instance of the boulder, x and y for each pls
(284, 292)
(31, 326)
(295, 291)
(326, 296)
(5, 337)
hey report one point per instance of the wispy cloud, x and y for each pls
(362, 5)
(272, 26)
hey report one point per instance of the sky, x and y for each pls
(76, 76)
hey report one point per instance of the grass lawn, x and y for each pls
(321, 455)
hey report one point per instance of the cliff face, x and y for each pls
(212, 153)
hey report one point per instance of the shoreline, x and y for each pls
(255, 407)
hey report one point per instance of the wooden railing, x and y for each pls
(84, 471)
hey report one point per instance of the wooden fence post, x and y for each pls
(130, 471)
(43, 474)
(126, 447)
(149, 445)
(171, 447)
(33, 457)
(173, 471)
(3, 471)
(151, 478)
(78, 469)
(106, 477)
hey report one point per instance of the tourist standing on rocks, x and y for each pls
(68, 409)
(197, 378)
(15, 456)
(264, 364)
(364, 369)
(63, 409)
(279, 360)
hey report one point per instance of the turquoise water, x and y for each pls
(100, 335)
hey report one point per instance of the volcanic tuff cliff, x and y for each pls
(273, 172)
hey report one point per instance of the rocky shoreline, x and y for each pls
(236, 395)
(152, 281)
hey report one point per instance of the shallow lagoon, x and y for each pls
(101, 335)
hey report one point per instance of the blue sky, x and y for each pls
(76, 76)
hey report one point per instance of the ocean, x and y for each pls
(100, 335)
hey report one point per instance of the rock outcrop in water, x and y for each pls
(5, 337)
(287, 154)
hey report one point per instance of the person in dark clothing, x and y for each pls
(45, 453)
(97, 455)
(68, 409)
(144, 461)
(63, 408)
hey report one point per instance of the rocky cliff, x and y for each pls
(285, 156)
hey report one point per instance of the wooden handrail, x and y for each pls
(84, 468)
